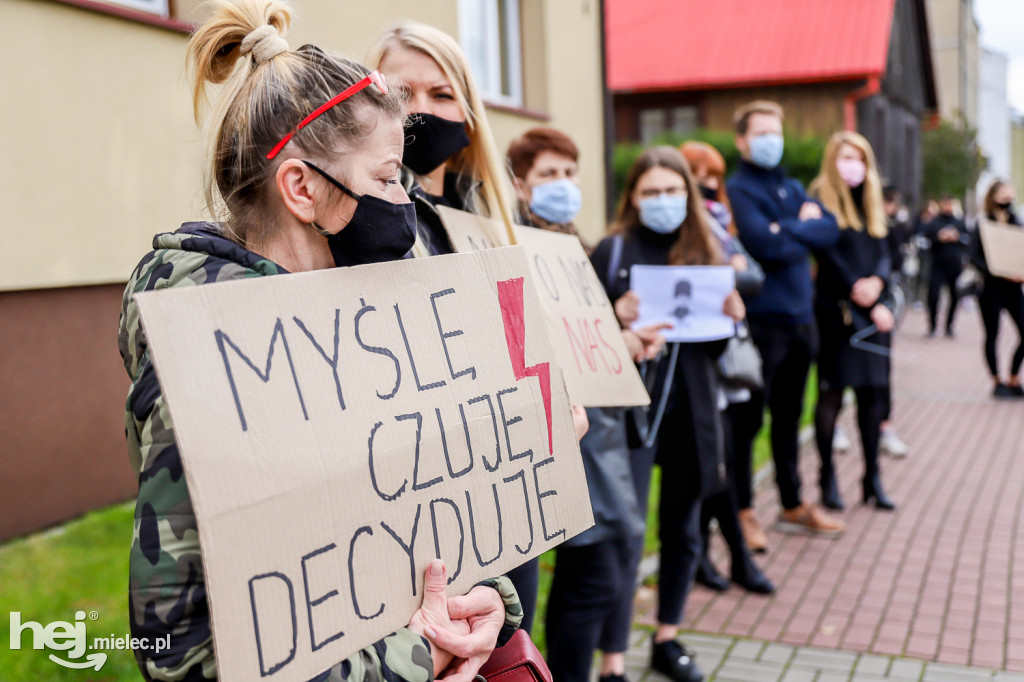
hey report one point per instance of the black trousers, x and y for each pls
(722, 505)
(943, 275)
(526, 580)
(585, 591)
(786, 353)
(618, 624)
(997, 295)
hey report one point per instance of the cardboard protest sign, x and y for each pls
(599, 371)
(1004, 248)
(689, 297)
(341, 428)
(469, 232)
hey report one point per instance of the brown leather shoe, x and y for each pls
(753, 534)
(809, 520)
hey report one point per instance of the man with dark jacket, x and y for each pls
(780, 228)
(948, 238)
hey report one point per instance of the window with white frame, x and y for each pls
(158, 7)
(489, 34)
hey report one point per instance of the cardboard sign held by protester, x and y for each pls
(599, 371)
(469, 232)
(341, 428)
(1004, 248)
(689, 297)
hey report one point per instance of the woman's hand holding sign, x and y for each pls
(733, 306)
(462, 630)
(627, 308)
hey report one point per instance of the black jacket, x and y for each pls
(946, 254)
(695, 382)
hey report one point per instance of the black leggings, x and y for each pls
(870, 411)
(1000, 294)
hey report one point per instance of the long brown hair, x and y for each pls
(835, 195)
(989, 204)
(697, 244)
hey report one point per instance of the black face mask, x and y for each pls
(1005, 206)
(431, 140)
(708, 193)
(379, 231)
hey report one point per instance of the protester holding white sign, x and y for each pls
(305, 153)
(450, 159)
(690, 298)
(660, 221)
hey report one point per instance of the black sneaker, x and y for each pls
(1016, 391)
(1002, 391)
(675, 661)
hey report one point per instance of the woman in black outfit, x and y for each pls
(851, 279)
(660, 221)
(999, 293)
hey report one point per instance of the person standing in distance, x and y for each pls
(781, 228)
(948, 238)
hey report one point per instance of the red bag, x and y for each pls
(518, 661)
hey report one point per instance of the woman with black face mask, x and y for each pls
(450, 156)
(999, 293)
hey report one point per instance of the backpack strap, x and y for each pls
(614, 259)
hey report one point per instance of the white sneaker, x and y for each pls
(891, 443)
(840, 441)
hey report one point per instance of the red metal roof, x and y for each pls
(698, 44)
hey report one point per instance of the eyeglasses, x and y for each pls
(375, 78)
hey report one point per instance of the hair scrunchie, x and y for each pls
(264, 43)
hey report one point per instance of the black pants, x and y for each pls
(943, 275)
(997, 295)
(786, 353)
(722, 506)
(618, 624)
(526, 580)
(586, 589)
(870, 411)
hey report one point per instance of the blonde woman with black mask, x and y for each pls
(303, 155)
(853, 321)
(450, 156)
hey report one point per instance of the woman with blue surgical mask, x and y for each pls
(545, 167)
(661, 220)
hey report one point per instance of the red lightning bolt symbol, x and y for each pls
(510, 298)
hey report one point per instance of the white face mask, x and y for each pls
(663, 213)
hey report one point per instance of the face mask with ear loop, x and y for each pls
(379, 231)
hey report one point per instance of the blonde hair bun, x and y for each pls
(264, 43)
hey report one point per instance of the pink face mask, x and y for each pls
(852, 171)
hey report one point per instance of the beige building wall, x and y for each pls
(1017, 154)
(955, 56)
(105, 153)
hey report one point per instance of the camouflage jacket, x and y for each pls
(166, 592)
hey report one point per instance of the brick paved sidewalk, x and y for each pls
(941, 578)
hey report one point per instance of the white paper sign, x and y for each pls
(689, 297)
(1004, 248)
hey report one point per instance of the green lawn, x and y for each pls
(83, 565)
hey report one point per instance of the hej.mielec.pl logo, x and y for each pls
(72, 638)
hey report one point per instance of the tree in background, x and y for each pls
(951, 157)
(802, 158)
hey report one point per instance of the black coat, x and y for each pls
(693, 397)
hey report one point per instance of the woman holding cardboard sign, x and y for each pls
(998, 293)
(450, 156)
(660, 221)
(304, 150)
